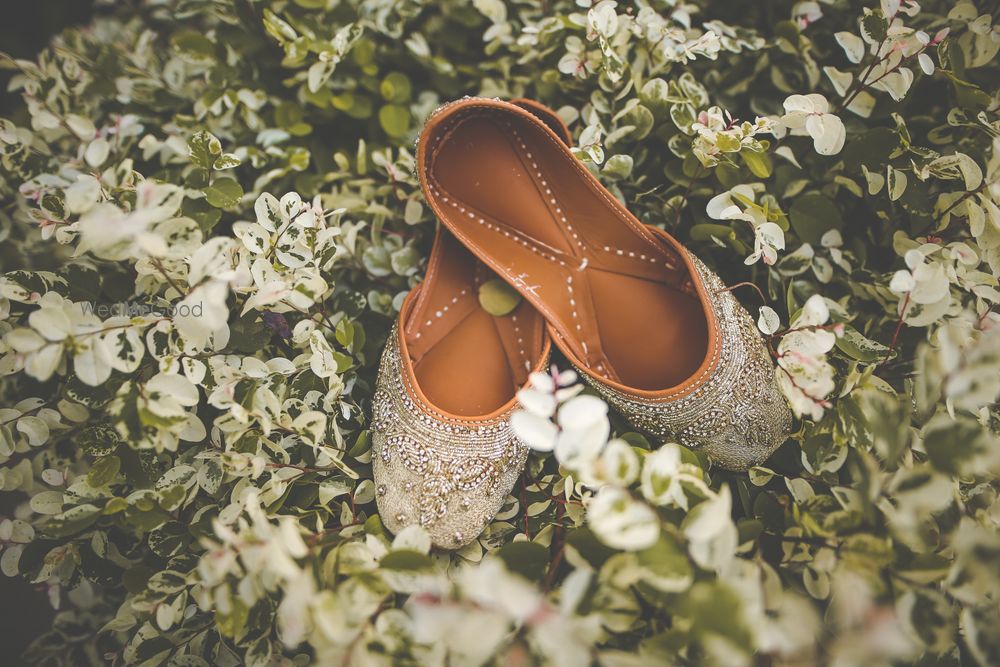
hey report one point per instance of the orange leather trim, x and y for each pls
(547, 116)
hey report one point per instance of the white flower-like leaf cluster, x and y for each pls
(739, 203)
(581, 425)
(889, 43)
(629, 485)
(60, 326)
(925, 286)
(666, 39)
(266, 553)
(284, 254)
(803, 372)
(590, 145)
(719, 134)
(275, 263)
(810, 115)
(472, 627)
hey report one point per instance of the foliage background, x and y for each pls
(32, 27)
(197, 490)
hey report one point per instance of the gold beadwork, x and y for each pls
(736, 413)
(447, 474)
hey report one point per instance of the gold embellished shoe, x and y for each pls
(644, 321)
(444, 455)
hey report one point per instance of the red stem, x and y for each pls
(899, 327)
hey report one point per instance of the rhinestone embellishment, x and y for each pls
(447, 474)
(736, 413)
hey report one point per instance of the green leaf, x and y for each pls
(395, 88)
(377, 261)
(201, 212)
(135, 578)
(875, 26)
(812, 215)
(223, 193)
(248, 334)
(727, 143)
(760, 164)
(788, 31)
(405, 261)
(226, 161)
(194, 44)
(653, 95)
(98, 439)
(203, 149)
(115, 505)
(641, 119)
(710, 608)
(866, 553)
(706, 231)
(84, 282)
(618, 166)
(498, 298)
(170, 539)
(104, 471)
(770, 511)
(969, 95)
(665, 566)
(47, 502)
(233, 623)
(860, 348)
(72, 520)
(950, 443)
(591, 549)
(395, 120)
(373, 526)
(871, 149)
(406, 560)
(529, 559)
(165, 582)
(821, 453)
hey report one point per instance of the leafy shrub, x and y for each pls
(188, 350)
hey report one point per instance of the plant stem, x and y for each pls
(899, 327)
(863, 81)
(760, 293)
(687, 192)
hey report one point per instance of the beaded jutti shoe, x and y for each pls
(444, 455)
(646, 323)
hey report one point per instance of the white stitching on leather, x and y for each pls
(541, 306)
(489, 225)
(572, 303)
(520, 342)
(444, 309)
(544, 183)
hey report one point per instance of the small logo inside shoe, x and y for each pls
(520, 281)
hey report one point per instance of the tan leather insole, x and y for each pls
(617, 296)
(466, 361)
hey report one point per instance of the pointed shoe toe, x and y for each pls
(448, 475)
(731, 407)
